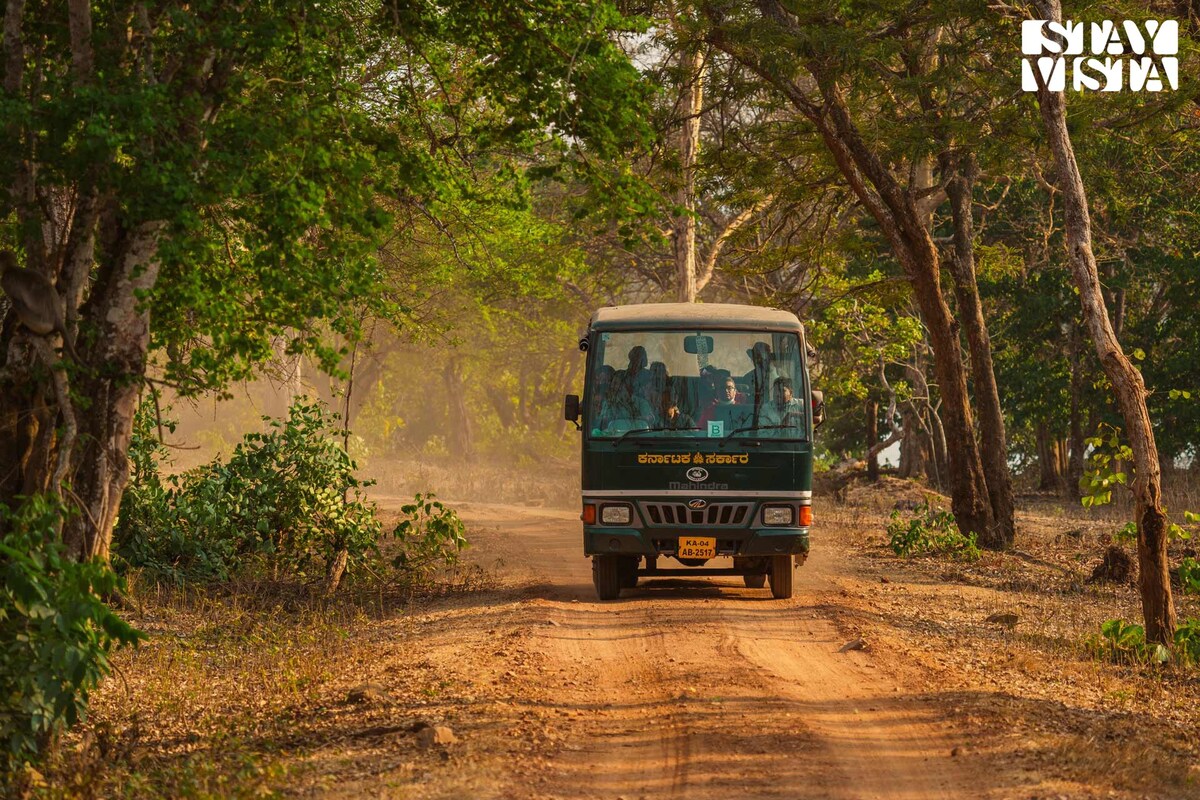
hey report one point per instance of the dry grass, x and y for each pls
(241, 688)
(239, 685)
(1076, 723)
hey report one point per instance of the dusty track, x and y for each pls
(706, 689)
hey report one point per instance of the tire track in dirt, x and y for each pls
(877, 742)
(705, 689)
(620, 666)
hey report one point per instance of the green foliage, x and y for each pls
(430, 535)
(1125, 643)
(55, 631)
(287, 498)
(931, 530)
(1128, 531)
(1187, 641)
(1189, 575)
(1101, 474)
(276, 146)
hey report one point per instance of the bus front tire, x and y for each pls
(755, 581)
(782, 571)
(629, 571)
(606, 576)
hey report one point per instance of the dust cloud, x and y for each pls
(469, 423)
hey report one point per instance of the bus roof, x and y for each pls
(688, 316)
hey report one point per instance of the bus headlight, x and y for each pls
(616, 515)
(777, 515)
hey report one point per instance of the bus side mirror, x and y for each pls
(818, 407)
(571, 410)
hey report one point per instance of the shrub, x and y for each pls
(429, 535)
(287, 497)
(931, 530)
(1189, 575)
(1187, 641)
(55, 631)
(1125, 642)
(1126, 533)
(160, 527)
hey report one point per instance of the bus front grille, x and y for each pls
(661, 515)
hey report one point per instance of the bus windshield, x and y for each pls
(696, 384)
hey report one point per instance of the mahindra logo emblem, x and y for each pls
(697, 474)
(697, 503)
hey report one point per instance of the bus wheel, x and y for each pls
(782, 570)
(629, 571)
(756, 581)
(606, 576)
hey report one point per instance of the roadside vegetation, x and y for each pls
(1036, 649)
(303, 263)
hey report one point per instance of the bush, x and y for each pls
(930, 531)
(429, 536)
(55, 631)
(1189, 575)
(287, 497)
(1187, 641)
(1125, 642)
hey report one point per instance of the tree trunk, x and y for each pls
(1076, 444)
(101, 467)
(901, 215)
(937, 441)
(336, 569)
(934, 461)
(994, 447)
(290, 374)
(871, 409)
(683, 233)
(1050, 475)
(1153, 579)
(913, 446)
(459, 437)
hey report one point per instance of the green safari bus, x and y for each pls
(697, 424)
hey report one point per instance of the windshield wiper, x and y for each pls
(621, 438)
(756, 428)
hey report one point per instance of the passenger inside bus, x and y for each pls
(783, 409)
(728, 397)
(763, 372)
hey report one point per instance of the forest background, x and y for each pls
(409, 211)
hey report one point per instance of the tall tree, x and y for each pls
(1130, 389)
(232, 176)
(683, 229)
(817, 83)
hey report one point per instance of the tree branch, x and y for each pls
(710, 260)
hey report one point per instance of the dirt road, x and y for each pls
(705, 689)
(513, 683)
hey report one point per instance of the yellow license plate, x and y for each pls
(697, 547)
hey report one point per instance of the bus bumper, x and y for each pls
(756, 542)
